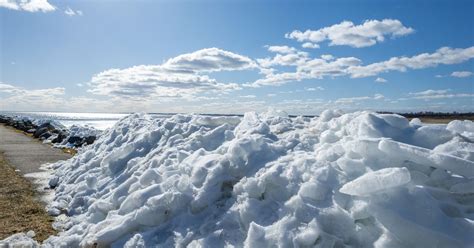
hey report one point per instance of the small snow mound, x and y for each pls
(20, 240)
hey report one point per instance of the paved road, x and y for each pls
(25, 153)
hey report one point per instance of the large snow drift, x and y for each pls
(359, 180)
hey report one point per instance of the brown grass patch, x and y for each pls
(20, 211)
(69, 151)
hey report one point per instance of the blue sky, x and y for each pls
(236, 56)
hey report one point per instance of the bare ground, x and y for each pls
(20, 211)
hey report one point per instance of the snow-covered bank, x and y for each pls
(359, 179)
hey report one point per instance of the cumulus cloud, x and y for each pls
(444, 55)
(28, 5)
(461, 74)
(209, 60)
(281, 49)
(71, 12)
(346, 33)
(306, 68)
(310, 45)
(380, 80)
(328, 66)
(327, 57)
(18, 97)
(153, 81)
(179, 77)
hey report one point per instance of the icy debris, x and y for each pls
(377, 181)
(20, 240)
(357, 180)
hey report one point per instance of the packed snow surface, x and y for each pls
(266, 180)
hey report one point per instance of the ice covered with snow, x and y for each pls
(20, 240)
(359, 179)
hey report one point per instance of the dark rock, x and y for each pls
(40, 131)
(61, 136)
(45, 135)
(76, 141)
(89, 140)
(46, 127)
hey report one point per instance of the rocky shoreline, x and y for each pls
(48, 132)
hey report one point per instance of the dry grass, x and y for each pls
(69, 151)
(20, 211)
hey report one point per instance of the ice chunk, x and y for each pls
(376, 181)
(427, 157)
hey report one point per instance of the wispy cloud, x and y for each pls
(71, 12)
(461, 74)
(380, 80)
(281, 49)
(346, 33)
(314, 88)
(28, 5)
(437, 94)
(350, 100)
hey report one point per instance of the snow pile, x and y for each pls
(20, 240)
(359, 179)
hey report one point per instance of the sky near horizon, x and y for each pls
(236, 56)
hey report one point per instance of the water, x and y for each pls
(99, 121)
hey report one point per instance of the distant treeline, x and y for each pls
(455, 115)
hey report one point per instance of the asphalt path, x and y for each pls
(25, 153)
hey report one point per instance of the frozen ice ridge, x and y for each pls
(266, 180)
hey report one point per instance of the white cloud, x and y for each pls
(350, 100)
(209, 60)
(444, 55)
(28, 5)
(327, 66)
(346, 33)
(327, 57)
(378, 96)
(281, 49)
(18, 97)
(441, 95)
(461, 74)
(314, 88)
(292, 59)
(71, 12)
(429, 92)
(153, 81)
(271, 95)
(380, 80)
(310, 45)
(248, 96)
(7, 88)
(437, 94)
(179, 77)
